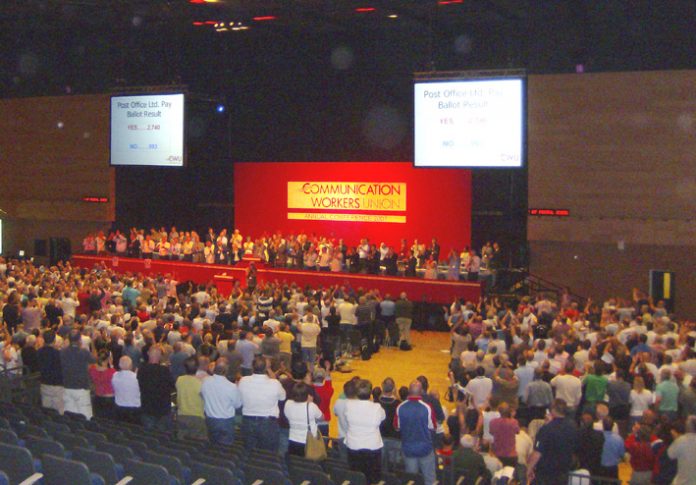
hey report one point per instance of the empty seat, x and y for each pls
(345, 476)
(100, 463)
(42, 446)
(146, 473)
(121, 453)
(31, 429)
(9, 437)
(410, 478)
(298, 461)
(54, 427)
(4, 479)
(305, 476)
(71, 441)
(18, 464)
(4, 423)
(59, 471)
(263, 476)
(91, 436)
(213, 475)
(171, 463)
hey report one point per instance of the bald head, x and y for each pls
(125, 363)
(154, 355)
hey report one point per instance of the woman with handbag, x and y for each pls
(302, 415)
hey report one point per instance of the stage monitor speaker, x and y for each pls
(60, 249)
(40, 247)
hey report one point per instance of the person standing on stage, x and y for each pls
(474, 266)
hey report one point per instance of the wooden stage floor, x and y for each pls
(429, 357)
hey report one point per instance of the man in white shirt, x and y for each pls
(480, 387)
(568, 388)
(126, 391)
(260, 396)
(346, 310)
(221, 398)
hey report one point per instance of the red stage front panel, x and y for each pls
(383, 201)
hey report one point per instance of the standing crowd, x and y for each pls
(541, 388)
(300, 251)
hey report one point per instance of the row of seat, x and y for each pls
(114, 451)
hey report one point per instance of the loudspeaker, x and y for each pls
(60, 249)
(39, 247)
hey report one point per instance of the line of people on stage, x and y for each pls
(296, 251)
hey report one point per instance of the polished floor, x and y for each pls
(429, 357)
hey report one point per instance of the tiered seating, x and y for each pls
(36, 443)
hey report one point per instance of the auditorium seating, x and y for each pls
(42, 446)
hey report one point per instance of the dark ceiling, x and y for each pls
(52, 46)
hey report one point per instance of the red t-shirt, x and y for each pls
(83, 307)
(325, 391)
(102, 381)
(503, 431)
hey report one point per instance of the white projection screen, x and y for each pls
(470, 122)
(147, 130)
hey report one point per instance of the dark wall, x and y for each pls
(325, 92)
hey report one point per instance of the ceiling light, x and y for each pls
(264, 18)
(365, 9)
(393, 16)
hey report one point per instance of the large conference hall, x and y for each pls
(347, 242)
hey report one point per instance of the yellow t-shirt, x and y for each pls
(188, 396)
(286, 338)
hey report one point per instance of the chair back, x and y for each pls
(345, 476)
(98, 462)
(266, 476)
(42, 446)
(58, 471)
(146, 473)
(9, 437)
(171, 463)
(213, 475)
(120, 453)
(72, 441)
(17, 462)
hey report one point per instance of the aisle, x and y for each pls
(429, 357)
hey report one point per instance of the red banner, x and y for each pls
(383, 201)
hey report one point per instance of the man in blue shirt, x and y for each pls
(247, 349)
(613, 450)
(416, 421)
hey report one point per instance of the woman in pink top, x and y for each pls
(101, 374)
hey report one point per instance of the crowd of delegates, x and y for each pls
(120, 347)
(547, 388)
(296, 251)
(541, 389)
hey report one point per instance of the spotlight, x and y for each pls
(220, 108)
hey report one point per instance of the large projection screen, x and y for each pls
(147, 130)
(470, 122)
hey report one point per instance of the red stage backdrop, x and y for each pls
(383, 201)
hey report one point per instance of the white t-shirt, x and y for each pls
(297, 414)
(347, 312)
(640, 402)
(480, 389)
(363, 419)
(568, 388)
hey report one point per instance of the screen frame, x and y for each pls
(184, 161)
(424, 78)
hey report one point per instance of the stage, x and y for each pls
(417, 289)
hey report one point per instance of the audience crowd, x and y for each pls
(302, 251)
(539, 388)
